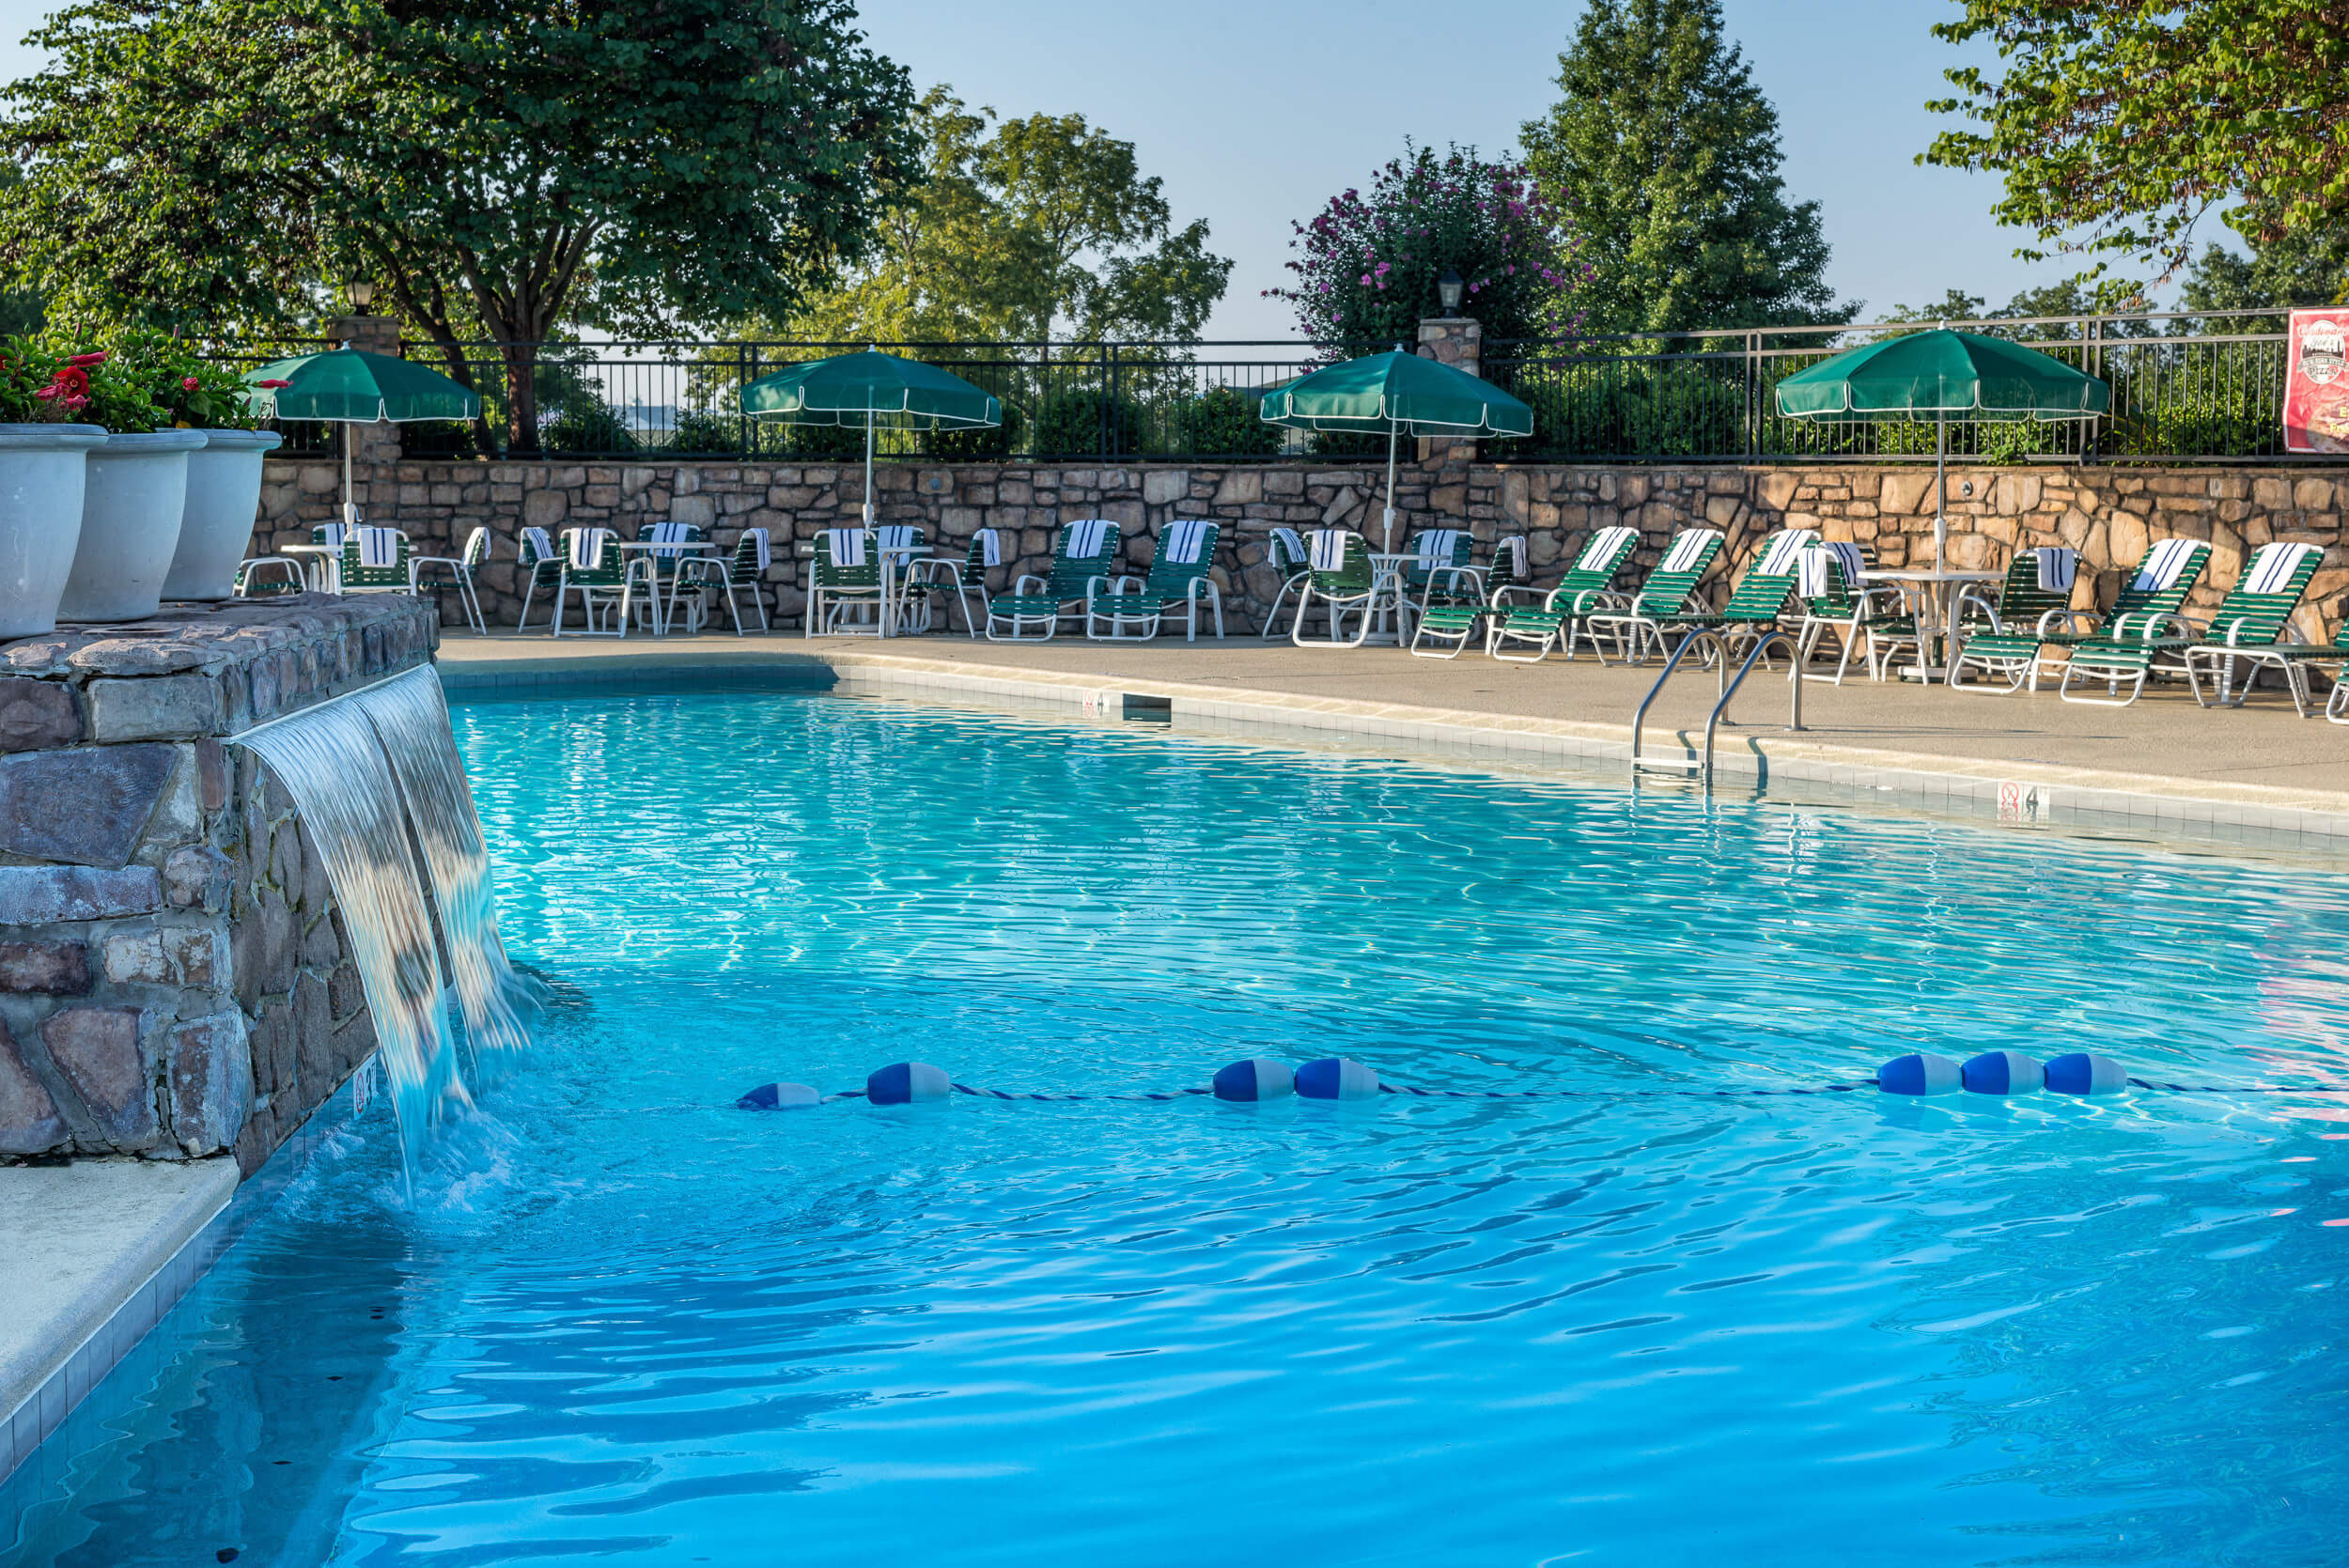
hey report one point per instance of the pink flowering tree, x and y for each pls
(1366, 267)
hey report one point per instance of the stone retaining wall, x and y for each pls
(173, 980)
(2107, 513)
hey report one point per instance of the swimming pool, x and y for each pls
(625, 1322)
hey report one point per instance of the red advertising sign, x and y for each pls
(2316, 382)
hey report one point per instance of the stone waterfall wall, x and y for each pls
(173, 980)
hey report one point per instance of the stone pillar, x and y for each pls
(375, 448)
(1459, 342)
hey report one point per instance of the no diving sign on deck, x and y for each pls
(2023, 803)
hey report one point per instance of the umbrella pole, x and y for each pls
(351, 518)
(1940, 487)
(868, 464)
(1390, 518)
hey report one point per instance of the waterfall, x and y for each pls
(366, 772)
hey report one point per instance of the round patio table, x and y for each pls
(1937, 610)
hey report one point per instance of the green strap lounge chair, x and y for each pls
(843, 585)
(1086, 554)
(1285, 552)
(1439, 569)
(459, 569)
(2254, 625)
(904, 546)
(266, 576)
(962, 582)
(375, 561)
(1550, 623)
(604, 579)
(2147, 622)
(742, 571)
(1342, 576)
(2001, 638)
(538, 554)
(1181, 576)
(1670, 592)
(1827, 587)
(1759, 598)
(2017, 652)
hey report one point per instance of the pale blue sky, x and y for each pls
(1256, 112)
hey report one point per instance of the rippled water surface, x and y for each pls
(622, 1322)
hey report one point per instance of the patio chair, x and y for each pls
(1759, 598)
(266, 576)
(1086, 554)
(1341, 575)
(843, 578)
(1441, 569)
(1291, 562)
(2254, 627)
(744, 570)
(374, 561)
(905, 536)
(1181, 576)
(461, 569)
(1548, 625)
(538, 554)
(1511, 573)
(2153, 593)
(2001, 638)
(1835, 605)
(2147, 622)
(604, 579)
(663, 565)
(1637, 626)
(960, 581)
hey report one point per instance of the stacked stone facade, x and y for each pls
(173, 980)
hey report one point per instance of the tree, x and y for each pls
(1031, 229)
(1369, 266)
(2117, 125)
(1664, 155)
(202, 163)
(2291, 270)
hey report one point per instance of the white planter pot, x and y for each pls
(41, 473)
(130, 506)
(223, 502)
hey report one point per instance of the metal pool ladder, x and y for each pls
(1703, 767)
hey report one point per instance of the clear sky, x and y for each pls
(1254, 112)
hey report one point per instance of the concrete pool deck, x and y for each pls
(2164, 759)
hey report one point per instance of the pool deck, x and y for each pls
(2165, 758)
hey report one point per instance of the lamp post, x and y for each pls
(1448, 291)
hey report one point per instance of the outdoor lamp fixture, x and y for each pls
(1448, 289)
(362, 293)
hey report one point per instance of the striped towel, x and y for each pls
(330, 535)
(1291, 542)
(1816, 582)
(1182, 539)
(1512, 550)
(990, 547)
(2271, 569)
(1602, 547)
(586, 547)
(1085, 537)
(1327, 551)
(762, 548)
(1686, 549)
(1780, 556)
(2164, 564)
(379, 548)
(2056, 569)
(1437, 546)
(846, 546)
(670, 533)
(541, 547)
(897, 536)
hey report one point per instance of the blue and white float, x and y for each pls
(909, 1083)
(1920, 1073)
(2085, 1073)
(2004, 1072)
(1336, 1077)
(778, 1096)
(1259, 1078)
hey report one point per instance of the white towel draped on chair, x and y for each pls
(669, 533)
(846, 546)
(990, 547)
(1436, 547)
(1686, 550)
(2163, 566)
(1084, 537)
(762, 545)
(1293, 542)
(1513, 550)
(1327, 551)
(588, 548)
(330, 535)
(2271, 569)
(1182, 539)
(379, 548)
(895, 536)
(541, 546)
(1813, 567)
(1780, 556)
(2057, 567)
(1601, 548)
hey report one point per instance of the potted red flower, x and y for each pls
(43, 470)
(132, 497)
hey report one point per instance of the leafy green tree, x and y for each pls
(1664, 154)
(2301, 269)
(1031, 229)
(2118, 124)
(202, 163)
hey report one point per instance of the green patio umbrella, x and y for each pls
(869, 390)
(1391, 393)
(350, 386)
(1941, 373)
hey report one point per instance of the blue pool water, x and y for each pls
(622, 1322)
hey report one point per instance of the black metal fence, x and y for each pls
(2185, 389)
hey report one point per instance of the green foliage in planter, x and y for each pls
(191, 392)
